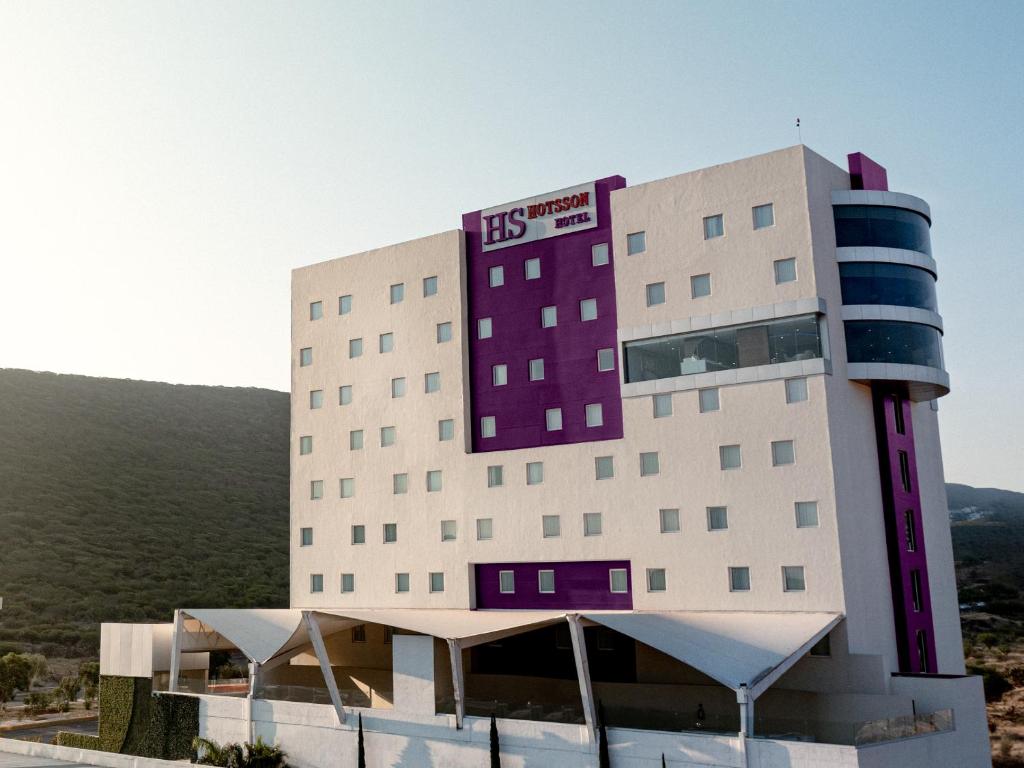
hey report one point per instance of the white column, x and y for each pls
(313, 628)
(458, 680)
(579, 651)
(179, 626)
(746, 702)
(254, 670)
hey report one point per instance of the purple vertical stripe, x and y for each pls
(580, 585)
(865, 173)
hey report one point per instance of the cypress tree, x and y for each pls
(495, 751)
(362, 751)
(663, 760)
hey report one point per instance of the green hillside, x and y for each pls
(121, 500)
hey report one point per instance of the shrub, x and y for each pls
(994, 683)
(258, 755)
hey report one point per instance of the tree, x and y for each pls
(15, 675)
(67, 691)
(362, 750)
(40, 668)
(495, 749)
(89, 672)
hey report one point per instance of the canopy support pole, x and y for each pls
(579, 652)
(313, 628)
(176, 633)
(746, 702)
(254, 671)
(458, 681)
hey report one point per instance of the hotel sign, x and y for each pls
(557, 213)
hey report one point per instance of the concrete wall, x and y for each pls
(142, 650)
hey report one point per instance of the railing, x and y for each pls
(517, 710)
(306, 694)
(904, 727)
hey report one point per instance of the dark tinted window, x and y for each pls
(890, 341)
(895, 284)
(879, 225)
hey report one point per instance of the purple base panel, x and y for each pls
(569, 350)
(865, 173)
(579, 585)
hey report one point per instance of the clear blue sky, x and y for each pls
(163, 166)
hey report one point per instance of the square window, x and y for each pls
(484, 329)
(606, 359)
(432, 382)
(532, 269)
(348, 487)
(709, 400)
(358, 534)
(400, 483)
(739, 579)
(551, 525)
(355, 440)
(306, 537)
(398, 387)
(344, 305)
(649, 464)
(487, 427)
(595, 415)
(718, 519)
(729, 456)
(401, 582)
(390, 533)
(546, 582)
(591, 523)
(537, 369)
(655, 294)
(397, 293)
(316, 310)
(655, 579)
(604, 467)
(588, 310)
(495, 476)
(764, 216)
(548, 317)
(618, 581)
(484, 528)
(305, 356)
(499, 375)
(447, 530)
(429, 286)
(669, 520)
(316, 489)
(496, 276)
(507, 582)
(316, 399)
(636, 242)
(305, 445)
(793, 578)
(387, 436)
(553, 419)
(807, 514)
(437, 582)
(444, 332)
(433, 480)
(446, 429)
(348, 582)
(714, 226)
(785, 271)
(345, 394)
(355, 348)
(316, 582)
(796, 390)
(700, 286)
(387, 342)
(599, 254)
(782, 453)
(662, 405)
(534, 472)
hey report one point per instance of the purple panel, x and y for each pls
(578, 585)
(865, 173)
(897, 502)
(569, 350)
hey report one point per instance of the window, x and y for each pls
(387, 436)
(437, 582)
(306, 537)
(397, 293)
(548, 317)
(448, 530)
(534, 472)
(429, 286)
(496, 276)
(305, 445)
(499, 375)
(899, 285)
(618, 581)
(729, 456)
(348, 487)
(662, 405)
(588, 310)
(668, 520)
(655, 579)
(881, 227)
(785, 271)
(398, 387)
(604, 467)
(390, 533)
(782, 453)
(446, 429)
(739, 579)
(904, 470)
(893, 341)
(537, 369)
(897, 415)
(495, 476)
(433, 480)
(915, 590)
(316, 582)
(909, 531)
(487, 427)
(718, 518)
(606, 359)
(444, 332)
(714, 226)
(553, 419)
(484, 528)
(316, 489)
(400, 483)
(551, 526)
(764, 216)
(595, 415)
(922, 650)
(387, 342)
(358, 534)
(591, 523)
(507, 582)
(316, 310)
(305, 356)
(355, 348)
(807, 514)
(546, 582)
(700, 286)
(484, 329)
(359, 633)
(532, 269)
(599, 254)
(345, 394)
(655, 294)
(708, 400)
(355, 439)
(432, 382)
(401, 582)
(316, 399)
(796, 390)
(636, 242)
(793, 578)
(649, 464)
(344, 305)
(348, 584)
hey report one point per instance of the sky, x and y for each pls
(164, 166)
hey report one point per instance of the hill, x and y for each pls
(121, 500)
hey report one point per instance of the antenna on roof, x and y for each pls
(799, 138)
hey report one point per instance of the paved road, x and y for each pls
(45, 733)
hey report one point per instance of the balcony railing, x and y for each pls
(876, 731)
